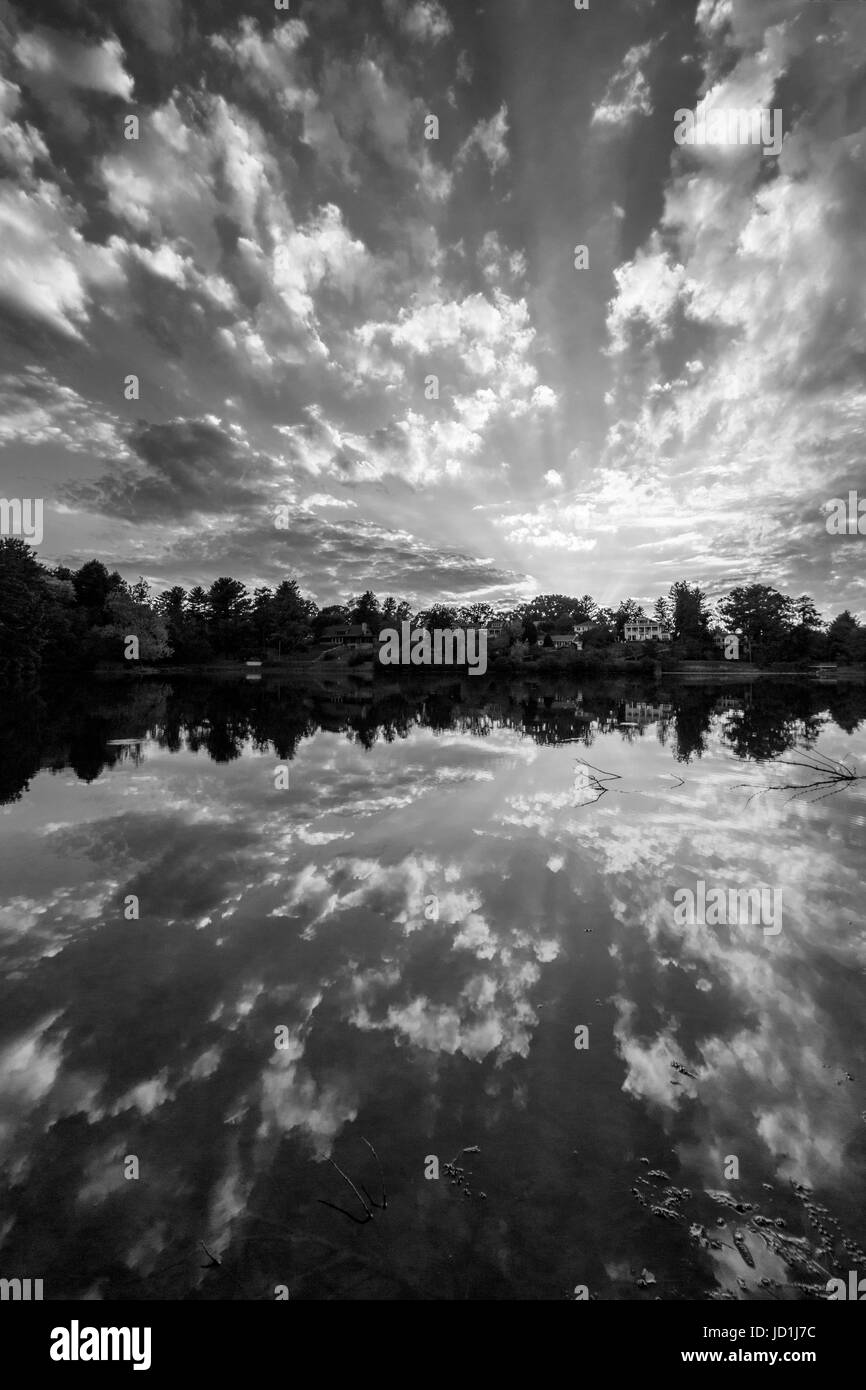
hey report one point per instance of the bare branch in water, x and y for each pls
(384, 1203)
(359, 1220)
(827, 773)
(367, 1202)
(592, 783)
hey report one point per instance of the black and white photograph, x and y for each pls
(433, 664)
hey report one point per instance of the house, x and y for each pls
(496, 628)
(351, 635)
(645, 630)
(642, 712)
(566, 639)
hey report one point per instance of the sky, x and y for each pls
(340, 260)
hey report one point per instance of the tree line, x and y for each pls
(60, 619)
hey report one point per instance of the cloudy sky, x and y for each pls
(284, 259)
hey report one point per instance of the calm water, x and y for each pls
(421, 920)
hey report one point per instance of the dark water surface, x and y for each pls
(422, 919)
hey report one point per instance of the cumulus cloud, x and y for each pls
(425, 20)
(627, 94)
(325, 499)
(649, 291)
(181, 468)
(486, 344)
(320, 447)
(50, 59)
(70, 79)
(170, 184)
(202, 167)
(20, 144)
(35, 408)
(731, 271)
(489, 138)
(550, 525)
(354, 115)
(49, 271)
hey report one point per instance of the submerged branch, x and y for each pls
(827, 773)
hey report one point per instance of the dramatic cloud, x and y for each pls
(371, 315)
(733, 269)
(185, 467)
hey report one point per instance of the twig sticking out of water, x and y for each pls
(367, 1202)
(384, 1203)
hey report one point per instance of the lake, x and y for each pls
(267, 949)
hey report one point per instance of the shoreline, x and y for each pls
(366, 673)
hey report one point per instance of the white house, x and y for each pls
(645, 630)
(644, 713)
